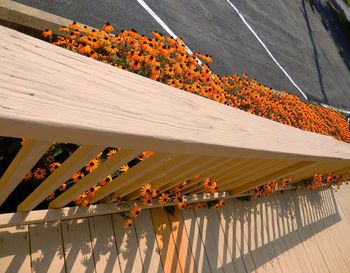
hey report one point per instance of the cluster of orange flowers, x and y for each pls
(269, 188)
(165, 59)
(173, 195)
(322, 180)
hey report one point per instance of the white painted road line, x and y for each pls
(161, 22)
(265, 47)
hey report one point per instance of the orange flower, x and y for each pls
(135, 65)
(107, 27)
(28, 176)
(146, 190)
(106, 180)
(163, 199)
(64, 29)
(111, 153)
(155, 193)
(78, 176)
(24, 141)
(54, 166)
(47, 33)
(39, 173)
(147, 200)
(85, 49)
(74, 26)
(63, 187)
(219, 204)
(213, 188)
(145, 154)
(178, 197)
(92, 165)
(207, 183)
(124, 168)
(181, 205)
(51, 196)
(135, 211)
(128, 223)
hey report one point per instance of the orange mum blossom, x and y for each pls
(145, 154)
(213, 188)
(147, 200)
(124, 168)
(135, 211)
(111, 153)
(181, 205)
(207, 183)
(92, 192)
(74, 25)
(54, 166)
(146, 190)
(155, 193)
(24, 141)
(39, 173)
(47, 33)
(106, 180)
(92, 165)
(77, 176)
(164, 198)
(51, 196)
(63, 187)
(28, 176)
(178, 197)
(107, 27)
(128, 223)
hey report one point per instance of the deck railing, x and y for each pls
(49, 94)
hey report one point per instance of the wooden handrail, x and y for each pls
(50, 94)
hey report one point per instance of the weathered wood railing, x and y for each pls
(49, 94)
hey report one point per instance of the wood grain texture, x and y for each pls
(104, 244)
(127, 246)
(306, 234)
(237, 189)
(214, 242)
(14, 250)
(50, 93)
(182, 243)
(149, 251)
(77, 246)
(284, 228)
(229, 220)
(46, 248)
(196, 243)
(165, 241)
(297, 231)
(251, 236)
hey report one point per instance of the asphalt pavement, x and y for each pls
(302, 35)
